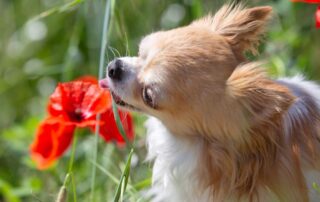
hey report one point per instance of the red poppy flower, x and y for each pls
(76, 104)
(79, 102)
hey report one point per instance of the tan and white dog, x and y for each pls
(221, 129)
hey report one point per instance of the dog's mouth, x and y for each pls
(117, 99)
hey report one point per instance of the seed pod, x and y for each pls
(62, 195)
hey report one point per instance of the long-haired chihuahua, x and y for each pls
(220, 128)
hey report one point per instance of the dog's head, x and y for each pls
(180, 75)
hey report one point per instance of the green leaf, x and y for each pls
(124, 179)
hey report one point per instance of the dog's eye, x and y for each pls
(148, 96)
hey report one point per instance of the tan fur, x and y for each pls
(244, 168)
(253, 143)
(239, 112)
(242, 27)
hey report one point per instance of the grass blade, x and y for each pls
(119, 124)
(59, 9)
(101, 66)
(124, 179)
(143, 184)
(131, 189)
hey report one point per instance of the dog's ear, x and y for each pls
(242, 27)
(260, 97)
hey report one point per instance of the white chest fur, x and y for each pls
(175, 161)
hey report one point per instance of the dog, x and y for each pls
(220, 128)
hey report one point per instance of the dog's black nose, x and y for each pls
(115, 70)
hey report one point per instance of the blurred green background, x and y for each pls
(43, 42)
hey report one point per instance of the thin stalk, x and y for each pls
(122, 190)
(74, 191)
(124, 179)
(120, 126)
(73, 151)
(101, 66)
(70, 173)
(66, 180)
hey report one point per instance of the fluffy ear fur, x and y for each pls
(242, 27)
(261, 97)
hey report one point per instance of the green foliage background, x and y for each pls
(43, 42)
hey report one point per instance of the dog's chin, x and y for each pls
(122, 104)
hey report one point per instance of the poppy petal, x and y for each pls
(88, 123)
(52, 139)
(109, 130)
(78, 101)
(56, 99)
(95, 101)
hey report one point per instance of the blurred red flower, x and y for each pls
(317, 16)
(76, 104)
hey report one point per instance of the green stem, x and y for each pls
(74, 191)
(73, 151)
(70, 173)
(95, 153)
(101, 66)
(66, 180)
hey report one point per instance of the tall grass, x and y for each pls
(101, 67)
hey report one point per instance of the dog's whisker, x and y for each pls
(127, 45)
(118, 53)
(113, 53)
